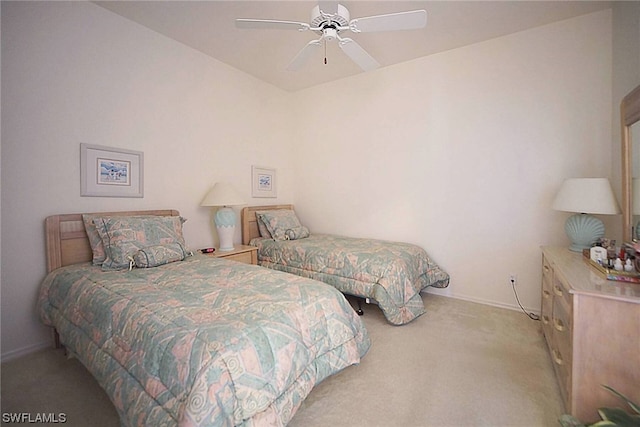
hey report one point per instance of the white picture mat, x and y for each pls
(263, 182)
(126, 179)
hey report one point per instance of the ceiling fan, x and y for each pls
(329, 19)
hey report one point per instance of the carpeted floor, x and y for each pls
(460, 364)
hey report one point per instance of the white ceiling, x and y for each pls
(209, 26)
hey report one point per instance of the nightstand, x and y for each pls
(240, 253)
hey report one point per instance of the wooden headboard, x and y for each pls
(67, 241)
(250, 223)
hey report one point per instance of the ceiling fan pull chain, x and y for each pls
(325, 52)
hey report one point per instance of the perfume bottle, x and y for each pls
(618, 266)
(628, 265)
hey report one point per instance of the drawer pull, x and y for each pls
(558, 291)
(557, 357)
(559, 325)
(546, 293)
(546, 269)
(545, 319)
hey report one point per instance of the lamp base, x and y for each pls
(225, 234)
(225, 221)
(583, 230)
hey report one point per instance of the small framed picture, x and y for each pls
(110, 172)
(263, 182)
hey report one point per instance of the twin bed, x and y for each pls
(391, 273)
(193, 340)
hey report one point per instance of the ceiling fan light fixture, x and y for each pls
(329, 34)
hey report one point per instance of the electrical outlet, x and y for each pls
(513, 279)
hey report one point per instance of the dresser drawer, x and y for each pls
(547, 300)
(561, 323)
(546, 313)
(547, 272)
(562, 368)
(560, 289)
(561, 352)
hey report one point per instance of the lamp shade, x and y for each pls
(587, 195)
(222, 194)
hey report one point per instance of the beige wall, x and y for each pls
(461, 152)
(75, 73)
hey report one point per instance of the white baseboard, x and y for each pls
(513, 307)
(14, 354)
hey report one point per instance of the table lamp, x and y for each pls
(585, 196)
(224, 195)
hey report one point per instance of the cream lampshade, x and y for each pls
(585, 196)
(224, 195)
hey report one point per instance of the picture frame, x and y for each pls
(263, 182)
(110, 172)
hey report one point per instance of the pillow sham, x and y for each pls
(123, 236)
(283, 224)
(153, 256)
(262, 228)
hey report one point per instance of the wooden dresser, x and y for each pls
(592, 328)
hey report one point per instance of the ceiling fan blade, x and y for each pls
(302, 56)
(271, 24)
(394, 21)
(358, 54)
(330, 7)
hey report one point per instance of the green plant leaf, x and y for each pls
(611, 417)
(604, 423)
(619, 417)
(633, 405)
(567, 420)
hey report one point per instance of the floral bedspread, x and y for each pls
(202, 342)
(391, 273)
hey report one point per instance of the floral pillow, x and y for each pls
(123, 236)
(153, 256)
(296, 233)
(283, 224)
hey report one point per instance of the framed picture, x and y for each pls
(263, 182)
(110, 172)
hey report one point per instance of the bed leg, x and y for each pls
(359, 310)
(56, 339)
(56, 342)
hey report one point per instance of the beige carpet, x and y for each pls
(460, 364)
